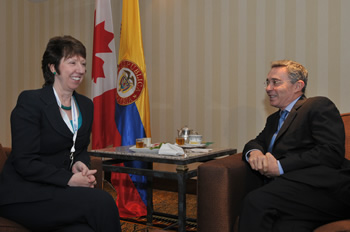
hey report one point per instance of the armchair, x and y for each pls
(223, 183)
(11, 226)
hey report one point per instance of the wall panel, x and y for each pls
(206, 59)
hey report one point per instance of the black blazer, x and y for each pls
(310, 145)
(41, 143)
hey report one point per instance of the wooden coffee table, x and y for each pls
(121, 154)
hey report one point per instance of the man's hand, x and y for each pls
(256, 160)
(265, 164)
(271, 166)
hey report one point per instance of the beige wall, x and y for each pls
(206, 59)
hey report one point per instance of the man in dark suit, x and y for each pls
(299, 156)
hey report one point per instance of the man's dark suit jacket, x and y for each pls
(310, 145)
(41, 143)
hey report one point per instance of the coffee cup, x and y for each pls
(195, 139)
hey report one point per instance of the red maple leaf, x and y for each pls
(101, 40)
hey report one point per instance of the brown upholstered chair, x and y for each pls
(11, 226)
(223, 183)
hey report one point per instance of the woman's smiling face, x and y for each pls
(72, 72)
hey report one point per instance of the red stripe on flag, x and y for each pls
(104, 128)
(129, 201)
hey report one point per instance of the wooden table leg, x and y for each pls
(181, 171)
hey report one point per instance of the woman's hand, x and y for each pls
(80, 180)
(80, 167)
(83, 176)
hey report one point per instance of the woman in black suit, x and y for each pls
(46, 183)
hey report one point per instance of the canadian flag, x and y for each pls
(131, 201)
(104, 77)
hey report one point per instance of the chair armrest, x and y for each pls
(222, 185)
(4, 153)
(96, 163)
(7, 225)
(220, 192)
(338, 226)
(7, 151)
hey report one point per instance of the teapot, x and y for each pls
(185, 132)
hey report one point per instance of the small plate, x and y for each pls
(144, 150)
(188, 146)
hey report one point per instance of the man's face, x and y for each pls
(279, 88)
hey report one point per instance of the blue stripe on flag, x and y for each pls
(129, 123)
(130, 127)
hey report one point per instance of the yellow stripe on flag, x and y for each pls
(131, 48)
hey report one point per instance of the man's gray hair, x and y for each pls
(295, 70)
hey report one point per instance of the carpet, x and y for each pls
(164, 202)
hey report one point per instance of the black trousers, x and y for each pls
(286, 206)
(75, 209)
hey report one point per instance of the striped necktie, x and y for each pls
(283, 115)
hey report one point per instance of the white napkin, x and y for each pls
(170, 149)
(200, 150)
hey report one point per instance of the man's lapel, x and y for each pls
(291, 116)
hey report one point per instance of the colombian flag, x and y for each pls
(121, 101)
(132, 109)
